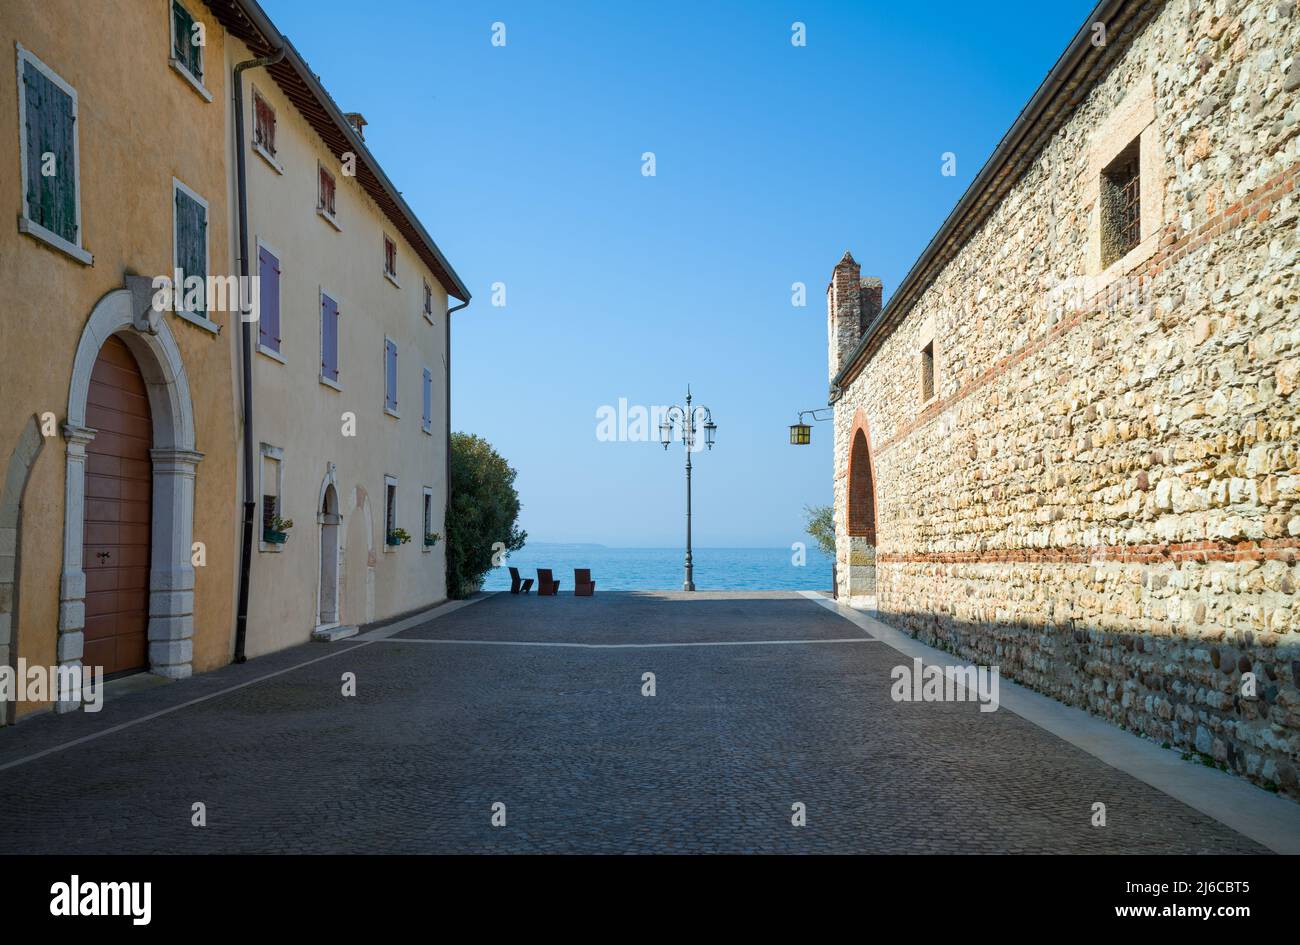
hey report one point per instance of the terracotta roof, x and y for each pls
(246, 20)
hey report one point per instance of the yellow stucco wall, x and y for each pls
(301, 416)
(140, 124)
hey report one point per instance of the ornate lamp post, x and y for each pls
(685, 423)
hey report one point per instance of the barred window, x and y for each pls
(1121, 204)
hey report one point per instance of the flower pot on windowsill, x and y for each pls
(274, 538)
(398, 536)
(430, 540)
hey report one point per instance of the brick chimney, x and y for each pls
(852, 304)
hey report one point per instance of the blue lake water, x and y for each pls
(658, 569)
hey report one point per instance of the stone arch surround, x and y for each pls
(171, 575)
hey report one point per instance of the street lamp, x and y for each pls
(801, 433)
(685, 423)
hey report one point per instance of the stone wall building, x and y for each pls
(1069, 445)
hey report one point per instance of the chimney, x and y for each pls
(852, 304)
(357, 121)
(844, 326)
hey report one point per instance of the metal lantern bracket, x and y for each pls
(801, 433)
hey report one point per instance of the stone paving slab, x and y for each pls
(438, 732)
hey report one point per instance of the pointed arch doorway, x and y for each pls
(861, 516)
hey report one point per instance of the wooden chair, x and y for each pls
(583, 585)
(519, 585)
(546, 585)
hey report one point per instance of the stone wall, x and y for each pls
(1103, 496)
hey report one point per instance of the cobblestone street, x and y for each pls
(783, 702)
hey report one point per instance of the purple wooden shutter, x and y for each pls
(390, 374)
(329, 338)
(428, 397)
(268, 325)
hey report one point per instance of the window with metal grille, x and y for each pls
(1121, 204)
(263, 125)
(326, 196)
(927, 372)
(390, 504)
(428, 300)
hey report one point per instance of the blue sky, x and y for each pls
(524, 162)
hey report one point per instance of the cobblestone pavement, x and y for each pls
(441, 730)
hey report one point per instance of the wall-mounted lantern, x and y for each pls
(801, 433)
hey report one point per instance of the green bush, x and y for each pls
(484, 509)
(821, 526)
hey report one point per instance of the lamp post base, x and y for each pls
(688, 586)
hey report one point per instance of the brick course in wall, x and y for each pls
(1103, 496)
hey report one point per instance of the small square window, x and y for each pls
(927, 373)
(390, 258)
(1121, 204)
(263, 127)
(325, 193)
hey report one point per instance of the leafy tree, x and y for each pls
(484, 509)
(821, 526)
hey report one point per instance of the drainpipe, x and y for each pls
(446, 515)
(246, 334)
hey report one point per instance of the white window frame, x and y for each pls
(261, 348)
(331, 218)
(180, 68)
(262, 152)
(390, 276)
(265, 452)
(25, 223)
(321, 293)
(426, 493)
(426, 424)
(390, 481)
(201, 320)
(395, 413)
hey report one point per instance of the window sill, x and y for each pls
(428, 317)
(268, 157)
(1121, 267)
(194, 83)
(271, 353)
(392, 413)
(329, 383)
(269, 549)
(392, 278)
(329, 218)
(427, 428)
(201, 321)
(36, 231)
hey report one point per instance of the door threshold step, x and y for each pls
(333, 634)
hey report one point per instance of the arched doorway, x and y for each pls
(327, 611)
(12, 490)
(116, 528)
(172, 461)
(861, 517)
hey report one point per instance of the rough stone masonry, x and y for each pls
(1069, 446)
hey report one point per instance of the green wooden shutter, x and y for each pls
(184, 49)
(191, 242)
(51, 201)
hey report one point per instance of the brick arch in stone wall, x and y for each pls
(860, 517)
(860, 511)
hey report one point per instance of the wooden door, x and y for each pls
(119, 477)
